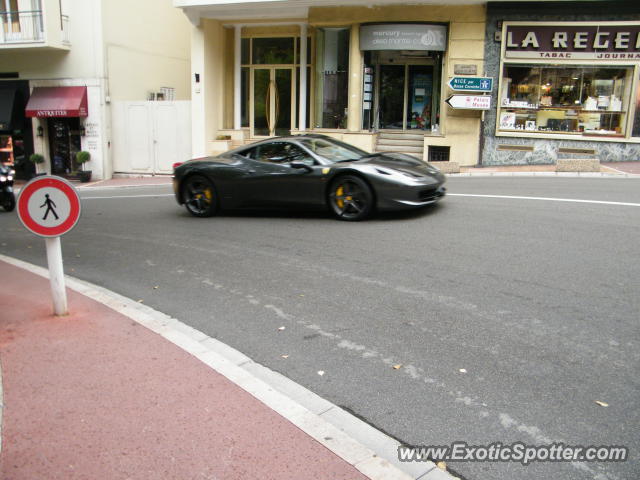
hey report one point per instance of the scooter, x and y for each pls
(7, 198)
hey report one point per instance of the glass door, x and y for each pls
(64, 143)
(273, 101)
(391, 95)
(404, 97)
(419, 93)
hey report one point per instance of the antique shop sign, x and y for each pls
(403, 36)
(579, 41)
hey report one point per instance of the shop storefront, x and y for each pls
(402, 81)
(565, 88)
(60, 111)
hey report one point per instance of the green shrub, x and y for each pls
(36, 158)
(83, 157)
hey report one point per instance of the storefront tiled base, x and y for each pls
(503, 151)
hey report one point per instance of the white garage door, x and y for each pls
(149, 137)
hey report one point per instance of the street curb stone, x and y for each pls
(370, 451)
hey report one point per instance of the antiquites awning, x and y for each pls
(57, 102)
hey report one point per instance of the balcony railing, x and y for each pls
(21, 26)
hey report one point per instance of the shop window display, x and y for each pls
(581, 101)
(332, 77)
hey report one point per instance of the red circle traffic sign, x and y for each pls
(49, 206)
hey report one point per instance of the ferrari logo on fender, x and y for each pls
(326, 170)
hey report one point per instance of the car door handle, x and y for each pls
(251, 171)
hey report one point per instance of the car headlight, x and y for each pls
(10, 177)
(3, 178)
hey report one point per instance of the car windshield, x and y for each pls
(333, 150)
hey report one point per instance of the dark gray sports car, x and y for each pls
(306, 171)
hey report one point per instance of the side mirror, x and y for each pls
(299, 164)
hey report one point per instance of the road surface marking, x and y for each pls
(344, 435)
(547, 199)
(129, 196)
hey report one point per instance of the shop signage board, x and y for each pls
(49, 207)
(471, 84)
(403, 36)
(470, 102)
(465, 69)
(573, 41)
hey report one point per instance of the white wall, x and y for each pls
(147, 46)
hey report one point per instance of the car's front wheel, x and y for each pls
(350, 198)
(199, 196)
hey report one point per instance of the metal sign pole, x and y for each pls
(56, 275)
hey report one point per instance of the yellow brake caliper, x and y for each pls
(208, 194)
(339, 194)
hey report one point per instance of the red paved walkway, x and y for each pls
(96, 396)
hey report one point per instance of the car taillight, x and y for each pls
(176, 165)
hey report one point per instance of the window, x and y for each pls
(332, 77)
(333, 150)
(272, 51)
(280, 152)
(569, 100)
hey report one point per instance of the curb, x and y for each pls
(1, 406)
(370, 451)
(545, 174)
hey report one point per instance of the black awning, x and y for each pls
(7, 108)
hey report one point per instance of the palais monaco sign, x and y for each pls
(573, 41)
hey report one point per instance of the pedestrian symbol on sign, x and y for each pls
(50, 204)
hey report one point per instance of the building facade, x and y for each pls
(397, 75)
(373, 76)
(67, 67)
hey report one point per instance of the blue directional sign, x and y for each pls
(471, 84)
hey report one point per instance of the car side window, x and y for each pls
(282, 152)
(251, 153)
(271, 153)
(297, 154)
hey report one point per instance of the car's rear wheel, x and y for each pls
(350, 198)
(199, 196)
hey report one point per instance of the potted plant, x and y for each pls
(37, 160)
(83, 157)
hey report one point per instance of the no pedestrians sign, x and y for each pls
(49, 206)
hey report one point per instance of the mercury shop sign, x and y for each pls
(403, 36)
(575, 41)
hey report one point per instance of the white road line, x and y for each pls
(513, 197)
(129, 196)
(547, 199)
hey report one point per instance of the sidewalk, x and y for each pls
(95, 395)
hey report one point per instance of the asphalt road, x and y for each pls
(537, 301)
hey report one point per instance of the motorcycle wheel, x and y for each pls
(9, 203)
